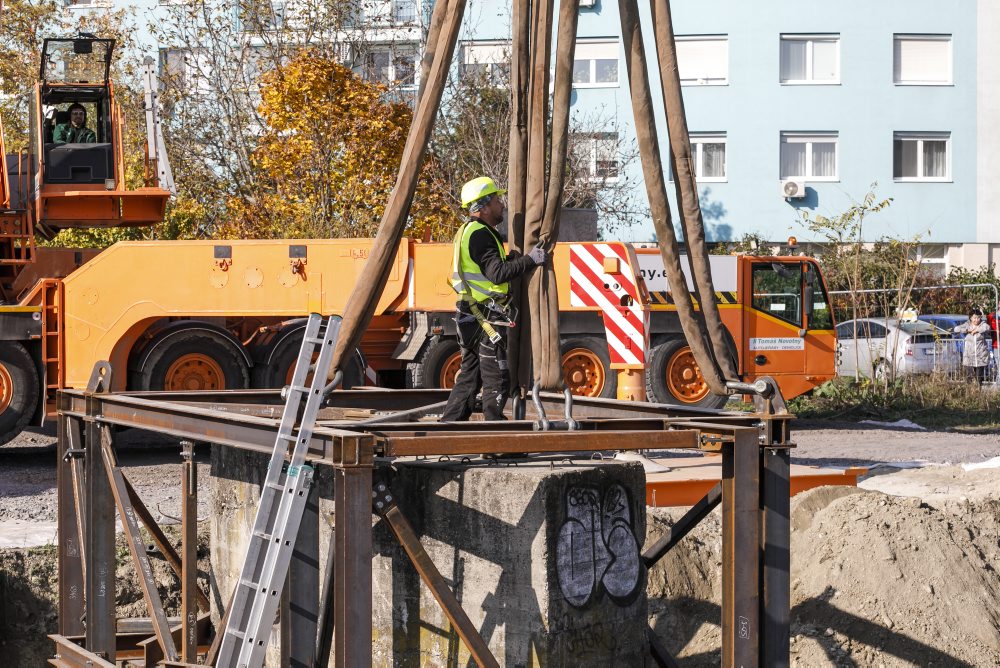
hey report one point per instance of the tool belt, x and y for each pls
(496, 315)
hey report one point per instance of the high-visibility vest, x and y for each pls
(467, 277)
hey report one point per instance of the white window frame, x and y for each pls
(395, 51)
(592, 138)
(810, 40)
(698, 140)
(808, 138)
(706, 81)
(493, 64)
(593, 83)
(395, 9)
(900, 37)
(920, 138)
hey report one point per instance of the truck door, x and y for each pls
(774, 318)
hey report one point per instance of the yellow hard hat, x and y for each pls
(477, 189)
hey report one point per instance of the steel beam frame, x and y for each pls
(753, 495)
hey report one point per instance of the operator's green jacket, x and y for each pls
(65, 133)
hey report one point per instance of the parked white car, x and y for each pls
(888, 347)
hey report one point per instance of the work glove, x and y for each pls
(538, 255)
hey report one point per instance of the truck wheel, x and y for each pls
(278, 372)
(182, 361)
(586, 366)
(673, 377)
(18, 389)
(438, 367)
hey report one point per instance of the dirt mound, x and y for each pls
(29, 594)
(875, 580)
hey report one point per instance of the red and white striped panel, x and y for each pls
(625, 325)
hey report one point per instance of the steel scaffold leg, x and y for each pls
(189, 550)
(71, 551)
(100, 523)
(775, 597)
(352, 568)
(740, 549)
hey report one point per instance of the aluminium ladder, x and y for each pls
(283, 499)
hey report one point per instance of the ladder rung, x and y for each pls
(250, 583)
(299, 388)
(314, 339)
(274, 485)
(287, 437)
(261, 534)
(237, 634)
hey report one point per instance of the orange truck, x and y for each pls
(212, 315)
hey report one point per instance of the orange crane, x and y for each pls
(54, 186)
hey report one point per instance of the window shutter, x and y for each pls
(921, 60)
(703, 59)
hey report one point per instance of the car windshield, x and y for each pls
(920, 327)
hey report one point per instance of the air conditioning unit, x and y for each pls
(588, 3)
(793, 189)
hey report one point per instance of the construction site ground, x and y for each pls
(900, 571)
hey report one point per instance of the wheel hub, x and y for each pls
(6, 388)
(194, 372)
(684, 377)
(583, 372)
(449, 372)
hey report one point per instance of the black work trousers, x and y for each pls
(484, 365)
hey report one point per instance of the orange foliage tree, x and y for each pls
(327, 159)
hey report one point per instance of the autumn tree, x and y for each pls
(215, 54)
(328, 157)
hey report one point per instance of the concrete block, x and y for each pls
(545, 561)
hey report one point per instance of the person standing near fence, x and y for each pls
(976, 351)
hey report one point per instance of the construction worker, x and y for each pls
(76, 130)
(481, 274)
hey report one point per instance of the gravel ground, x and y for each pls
(28, 497)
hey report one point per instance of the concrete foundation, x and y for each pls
(544, 559)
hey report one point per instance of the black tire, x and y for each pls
(426, 374)
(19, 389)
(595, 347)
(657, 387)
(168, 348)
(274, 373)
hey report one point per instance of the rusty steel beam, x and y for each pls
(171, 556)
(198, 424)
(352, 569)
(189, 550)
(71, 561)
(69, 654)
(324, 640)
(776, 549)
(100, 580)
(545, 441)
(658, 653)
(137, 549)
(299, 619)
(740, 550)
(386, 507)
(690, 520)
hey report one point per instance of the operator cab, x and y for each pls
(75, 71)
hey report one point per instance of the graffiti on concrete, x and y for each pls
(597, 549)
